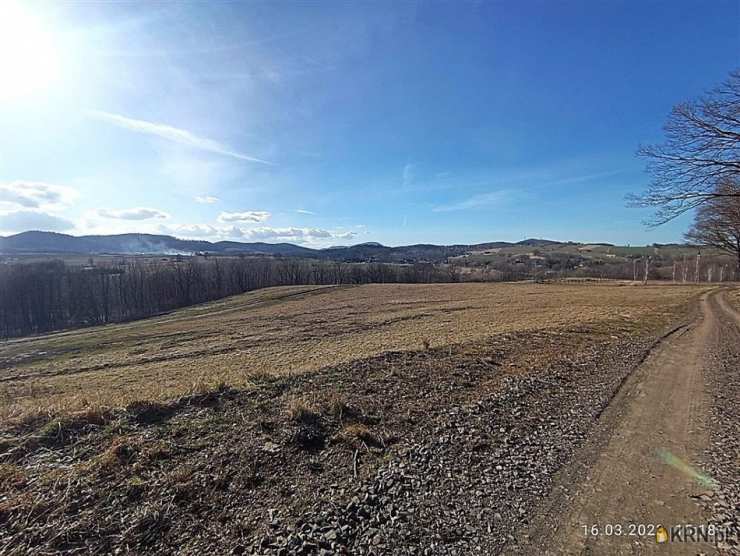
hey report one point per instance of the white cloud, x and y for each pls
(262, 233)
(304, 211)
(35, 195)
(476, 201)
(193, 231)
(92, 223)
(344, 235)
(28, 205)
(25, 220)
(408, 174)
(244, 216)
(171, 133)
(207, 199)
(139, 213)
(299, 235)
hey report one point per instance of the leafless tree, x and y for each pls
(701, 150)
(717, 222)
(697, 278)
(38, 297)
(647, 270)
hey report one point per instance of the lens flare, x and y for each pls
(29, 59)
(686, 469)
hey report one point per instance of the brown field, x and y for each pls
(300, 329)
(734, 296)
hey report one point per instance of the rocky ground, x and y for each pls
(473, 474)
(442, 451)
(722, 457)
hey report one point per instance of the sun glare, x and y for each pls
(29, 60)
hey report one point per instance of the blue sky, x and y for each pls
(332, 123)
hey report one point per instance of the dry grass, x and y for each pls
(12, 477)
(301, 411)
(125, 452)
(734, 297)
(246, 339)
(120, 453)
(359, 434)
(337, 406)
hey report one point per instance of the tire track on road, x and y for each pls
(638, 474)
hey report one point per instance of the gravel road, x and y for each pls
(670, 459)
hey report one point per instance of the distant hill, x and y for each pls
(54, 243)
(538, 242)
(51, 242)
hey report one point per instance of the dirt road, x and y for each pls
(642, 469)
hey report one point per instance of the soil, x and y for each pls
(502, 445)
(648, 461)
(298, 329)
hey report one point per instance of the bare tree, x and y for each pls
(697, 278)
(701, 150)
(38, 297)
(647, 270)
(717, 222)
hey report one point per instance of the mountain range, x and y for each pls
(34, 242)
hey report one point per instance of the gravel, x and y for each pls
(722, 456)
(473, 474)
(451, 452)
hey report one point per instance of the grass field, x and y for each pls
(232, 427)
(597, 252)
(301, 329)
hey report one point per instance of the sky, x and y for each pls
(334, 123)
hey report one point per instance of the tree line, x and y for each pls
(710, 267)
(697, 168)
(52, 295)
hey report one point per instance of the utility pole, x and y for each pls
(685, 268)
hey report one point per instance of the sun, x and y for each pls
(29, 59)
